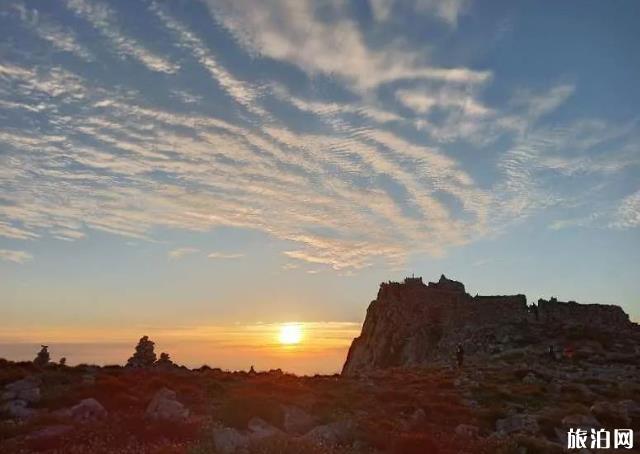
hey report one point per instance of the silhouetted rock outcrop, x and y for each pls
(42, 359)
(164, 362)
(411, 323)
(144, 356)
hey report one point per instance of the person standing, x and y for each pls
(460, 355)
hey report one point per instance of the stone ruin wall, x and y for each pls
(454, 306)
(412, 323)
(584, 314)
(500, 309)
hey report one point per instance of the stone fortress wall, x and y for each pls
(571, 312)
(413, 323)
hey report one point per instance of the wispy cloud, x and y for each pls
(181, 252)
(401, 155)
(104, 19)
(627, 213)
(446, 10)
(224, 255)
(238, 90)
(60, 38)
(9, 255)
(292, 31)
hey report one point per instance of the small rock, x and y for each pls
(517, 423)
(470, 403)
(26, 389)
(531, 379)
(230, 441)
(296, 420)
(331, 434)
(22, 384)
(610, 412)
(631, 407)
(88, 410)
(259, 428)
(18, 409)
(30, 395)
(165, 405)
(416, 421)
(418, 417)
(580, 421)
(467, 430)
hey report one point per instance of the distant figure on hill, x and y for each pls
(43, 356)
(460, 355)
(63, 361)
(569, 352)
(144, 356)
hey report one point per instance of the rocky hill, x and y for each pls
(412, 324)
(401, 391)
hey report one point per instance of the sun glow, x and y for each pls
(290, 334)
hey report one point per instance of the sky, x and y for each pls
(189, 166)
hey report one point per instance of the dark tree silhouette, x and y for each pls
(144, 356)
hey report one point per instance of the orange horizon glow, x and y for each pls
(298, 347)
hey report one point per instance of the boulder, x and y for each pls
(416, 421)
(631, 407)
(18, 409)
(165, 405)
(517, 423)
(561, 435)
(230, 441)
(330, 435)
(31, 395)
(259, 429)
(26, 389)
(531, 379)
(296, 420)
(612, 413)
(87, 410)
(467, 430)
(580, 421)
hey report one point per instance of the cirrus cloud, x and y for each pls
(15, 256)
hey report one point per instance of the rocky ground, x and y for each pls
(400, 390)
(516, 401)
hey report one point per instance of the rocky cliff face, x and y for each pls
(411, 324)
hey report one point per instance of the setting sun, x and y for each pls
(290, 334)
